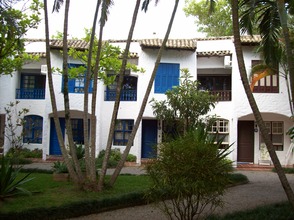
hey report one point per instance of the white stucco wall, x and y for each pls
(273, 106)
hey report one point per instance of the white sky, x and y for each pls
(152, 24)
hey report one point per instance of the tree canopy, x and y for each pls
(216, 22)
(14, 25)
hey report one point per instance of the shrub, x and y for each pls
(131, 158)
(59, 167)
(114, 158)
(192, 172)
(10, 185)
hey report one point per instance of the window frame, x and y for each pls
(127, 94)
(221, 128)
(261, 86)
(35, 133)
(123, 129)
(274, 133)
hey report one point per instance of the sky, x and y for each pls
(152, 24)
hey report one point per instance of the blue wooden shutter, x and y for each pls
(167, 76)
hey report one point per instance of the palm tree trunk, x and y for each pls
(254, 107)
(145, 99)
(53, 101)
(90, 147)
(289, 51)
(66, 98)
(117, 98)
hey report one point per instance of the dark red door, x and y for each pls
(245, 141)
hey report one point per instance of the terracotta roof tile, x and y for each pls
(250, 40)
(184, 44)
(77, 44)
(39, 54)
(214, 53)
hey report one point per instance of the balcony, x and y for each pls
(223, 95)
(30, 93)
(126, 95)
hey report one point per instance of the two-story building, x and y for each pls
(212, 61)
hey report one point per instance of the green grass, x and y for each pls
(57, 200)
(48, 193)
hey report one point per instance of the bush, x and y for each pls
(114, 158)
(192, 172)
(22, 153)
(59, 167)
(131, 158)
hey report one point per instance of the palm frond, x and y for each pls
(57, 5)
(106, 4)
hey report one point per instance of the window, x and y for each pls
(77, 84)
(268, 84)
(128, 92)
(217, 84)
(123, 129)
(167, 76)
(77, 130)
(276, 132)
(33, 129)
(32, 86)
(220, 128)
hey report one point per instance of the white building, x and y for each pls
(210, 60)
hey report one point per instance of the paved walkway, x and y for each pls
(264, 188)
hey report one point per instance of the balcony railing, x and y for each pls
(223, 95)
(126, 95)
(30, 93)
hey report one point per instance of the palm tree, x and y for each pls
(104, 11)
(90, 147)
(254, 107)
(53, 101)
(117, 98)
(147, 93)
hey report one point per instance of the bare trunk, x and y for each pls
(145, 99)
(72, 146)
(53, 101)
(254, 107)
(90, 147)
(117, 98)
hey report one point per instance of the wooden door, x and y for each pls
(245, 141)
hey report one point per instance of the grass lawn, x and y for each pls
(49, 193)
(56, 200)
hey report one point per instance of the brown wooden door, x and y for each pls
(245, 141)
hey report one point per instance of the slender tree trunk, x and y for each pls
(53, 101)
(289, 50)
(71, 143)
(117, 98)
(145, 99)
(90, 147)
(254, 107)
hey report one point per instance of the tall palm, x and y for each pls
(104, 12)
(254, 107)
(53, 101)
(90, 147)
(147, 93)
(117, 98)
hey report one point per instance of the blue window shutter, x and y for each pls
(167, 76)
(71, 85)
